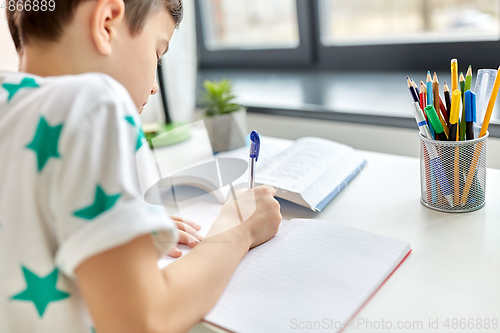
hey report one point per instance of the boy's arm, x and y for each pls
(126, 292)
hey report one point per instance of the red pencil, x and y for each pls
(444, 111)
(423, 96)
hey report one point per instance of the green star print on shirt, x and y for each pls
(45, 142)
(102, 202)
(12, 89)
(140, 135)
(40, 290)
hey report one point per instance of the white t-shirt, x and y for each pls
(70, 151)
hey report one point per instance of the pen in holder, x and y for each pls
(453, 174)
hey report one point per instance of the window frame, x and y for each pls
(301, 56)
(311, 53)
(405, 57)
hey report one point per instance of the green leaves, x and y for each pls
(219, 98)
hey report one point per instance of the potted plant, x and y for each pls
(225, 120)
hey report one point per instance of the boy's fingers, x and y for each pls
(194, 225)
(271, 189)
(184, 227)
(175, 252)
(185, 238)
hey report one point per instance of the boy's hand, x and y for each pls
(259, 211)
(188, 234)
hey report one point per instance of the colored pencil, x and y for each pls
(437, 104)
(413, 91)
(430, 100)
(414, 84)
(454, 80)
(454, 74)
(455, 109)
(447, 99)
(444, 112)
(468, 78)
(423, 99)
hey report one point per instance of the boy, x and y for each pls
(76, 237)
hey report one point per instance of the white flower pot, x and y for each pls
(227, 131)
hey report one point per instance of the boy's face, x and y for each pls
(134, 58)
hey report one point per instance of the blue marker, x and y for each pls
(470, 114)
(254, 156)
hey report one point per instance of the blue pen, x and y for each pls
(254, 156)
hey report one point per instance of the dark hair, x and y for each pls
(48, 25)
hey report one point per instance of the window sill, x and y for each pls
(372, 98)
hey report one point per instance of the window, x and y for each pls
(250, 24)
(254, 33)
(395, 21)
(375, 35)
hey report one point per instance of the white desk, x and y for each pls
(454, 268)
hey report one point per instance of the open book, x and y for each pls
(309, 271)
(309, 171)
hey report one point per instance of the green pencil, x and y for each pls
(468, 78)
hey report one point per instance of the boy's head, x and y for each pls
(122, 38)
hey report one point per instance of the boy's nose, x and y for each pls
(155, 89)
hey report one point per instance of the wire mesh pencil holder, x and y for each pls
(453, 174)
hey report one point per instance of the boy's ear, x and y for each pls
(106, 19)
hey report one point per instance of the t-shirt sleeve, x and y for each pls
(95, 197)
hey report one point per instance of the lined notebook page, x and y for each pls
(310, 270)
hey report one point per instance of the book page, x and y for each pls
(309, 271)
(299, 166)
(269, 148)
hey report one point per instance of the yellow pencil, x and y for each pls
(454, 74)
(454, 81)
(455, 109)
(479, 146)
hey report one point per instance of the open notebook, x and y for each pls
(309, 271)
(309, 171)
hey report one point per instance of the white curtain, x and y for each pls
(179, 67)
